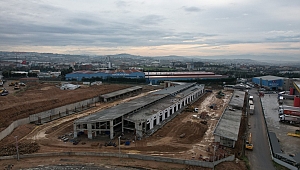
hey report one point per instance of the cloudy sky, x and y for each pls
(152, 27)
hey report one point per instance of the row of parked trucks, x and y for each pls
(289, 114)
(251, 105)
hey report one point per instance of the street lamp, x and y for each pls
(16, 137)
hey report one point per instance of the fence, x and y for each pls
(12, 126)
(130, 156)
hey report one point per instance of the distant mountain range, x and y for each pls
(275, 59)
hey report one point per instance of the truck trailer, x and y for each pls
(289, 119)
(251, 109)
(292, 111)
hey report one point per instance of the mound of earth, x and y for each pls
(37, 97)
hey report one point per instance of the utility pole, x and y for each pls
(18, 157)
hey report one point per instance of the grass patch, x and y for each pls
(246, 160)
(279, 167)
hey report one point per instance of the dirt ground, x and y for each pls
(196, 143)
(37, 97)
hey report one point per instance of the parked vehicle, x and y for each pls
(251, 109)
(289, 119)
(292, 111)
(249, 144)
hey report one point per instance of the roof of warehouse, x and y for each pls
(125, 108)
(161, 105)
(179, 73)
(174, 88)
(297, 85)
(119, 92)
(121, 109)
(188, 76)
(274, 143)
(269, 77)
(237, 99)
(229, 124)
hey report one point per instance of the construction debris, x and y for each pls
(24, 148)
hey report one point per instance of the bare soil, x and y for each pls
(38, 97)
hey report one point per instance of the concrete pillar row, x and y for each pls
(89, 129)
(75, 130)
(111, 129)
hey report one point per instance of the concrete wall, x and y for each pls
(62, 111)
(12, 126)
(132, 156)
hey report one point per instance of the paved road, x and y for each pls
(260, 157)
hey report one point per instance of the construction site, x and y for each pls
(180, 121)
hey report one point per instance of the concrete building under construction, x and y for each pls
(143, 115)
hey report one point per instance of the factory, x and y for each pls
(104, 74)
(142, 116)
(150, 77)
(157, 77)
(269, 82)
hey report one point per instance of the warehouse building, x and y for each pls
(119, 94)
(151, 77)
(104, 74)
(158, 77)
(141, 115)
(227, 129)
(269, 82)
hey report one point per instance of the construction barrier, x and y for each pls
(12, 126)
(130, 156)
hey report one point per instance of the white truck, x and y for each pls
(251, 109)
(289, 119)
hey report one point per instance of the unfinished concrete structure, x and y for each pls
(139, 115)
(120, 93)
(227, 129)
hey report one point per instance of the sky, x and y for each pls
(153, 27)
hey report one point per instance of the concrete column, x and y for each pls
(168, 114)
(75, 130)
(151, 123)
(139, 129)
(89, 129)
(111, 128)
(163, 116)
(122, 124)
(157, 118)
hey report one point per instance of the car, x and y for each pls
(4, 94)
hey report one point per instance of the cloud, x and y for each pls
(186, 27)
(191, 9)
(151, 20)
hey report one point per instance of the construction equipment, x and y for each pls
(296, 134)
(249, 144)
(17, 86)
(190, 108)
(220, 94)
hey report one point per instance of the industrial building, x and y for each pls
(227, 129)
(151, 77)
(142, 115)
(269, 82)
(157, 77)
(118, 94)
(104, 74)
